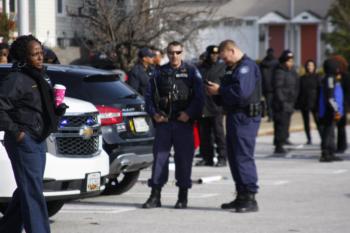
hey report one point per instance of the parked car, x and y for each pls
(76, 165)
(127, 130)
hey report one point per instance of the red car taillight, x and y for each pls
(126, 78)
(109, 115)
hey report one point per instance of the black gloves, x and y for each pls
(61, 109)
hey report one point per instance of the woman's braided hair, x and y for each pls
(19, 48)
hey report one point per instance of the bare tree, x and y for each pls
(120, 27)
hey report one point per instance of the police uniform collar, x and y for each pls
(182, 66)
(240, 60)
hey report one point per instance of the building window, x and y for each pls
(12, 6)
(60, 7)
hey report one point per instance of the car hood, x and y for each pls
(77, 106)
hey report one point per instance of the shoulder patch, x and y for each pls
(244, 69)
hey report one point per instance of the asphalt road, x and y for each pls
(297, 194)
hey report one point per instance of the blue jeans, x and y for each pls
(28, 207)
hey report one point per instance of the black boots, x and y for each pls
(205, 162)
(280, 150)
(329, 157)
(154, 200)
(244, 203)
(221, 163)
(182, 199)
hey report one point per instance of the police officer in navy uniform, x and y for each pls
(240, 94)
(173, 99)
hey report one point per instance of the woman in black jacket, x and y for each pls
(27, 115)
(307, 99)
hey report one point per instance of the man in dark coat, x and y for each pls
(286, 88)
(211, 123)
(267, 66)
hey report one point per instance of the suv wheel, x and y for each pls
(52, 207)
(122, 183)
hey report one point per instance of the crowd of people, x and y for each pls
(325, 97)
(179, 93)
(172, 95)
(226, 84)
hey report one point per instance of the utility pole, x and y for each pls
(23, 17)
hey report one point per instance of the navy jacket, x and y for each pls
(239, 84)
(196, 103)
(139, 78)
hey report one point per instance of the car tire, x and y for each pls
(121, 184)
(3, 207)
(52, 207)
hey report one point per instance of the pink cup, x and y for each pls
(59, 91)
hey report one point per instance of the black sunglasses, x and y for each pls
(174, 52)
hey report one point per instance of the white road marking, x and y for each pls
(340, 171)
(280, 182)
(92, 209)
(174, 195)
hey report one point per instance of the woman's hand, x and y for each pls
(20, 136)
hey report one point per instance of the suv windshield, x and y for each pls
(98, 89)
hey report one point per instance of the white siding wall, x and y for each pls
(244, 34)
(45, 22)
(67, 27)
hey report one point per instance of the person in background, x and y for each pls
(211, 128)
(267, 67)
(330, 109)
(4, 53)
(307, 99)
(342, 143)
(286, 88)
(141, 73)
(28, 115)
(158, 57)
(50, 56)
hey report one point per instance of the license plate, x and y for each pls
(93, 182)
(140, 125)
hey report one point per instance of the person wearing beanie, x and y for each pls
(330, 109)
(211, 129)
(141, 73)
(267, 67)
(285, 92)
